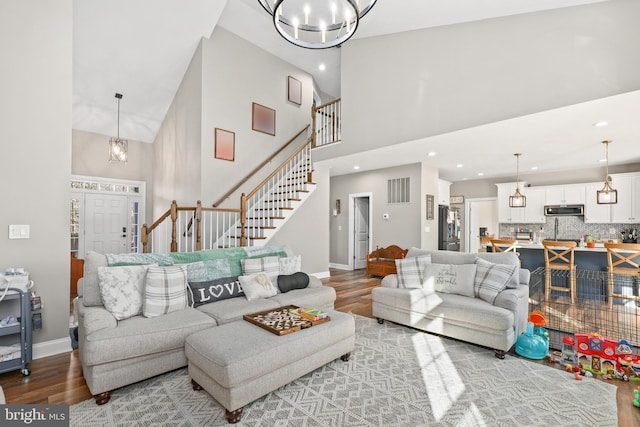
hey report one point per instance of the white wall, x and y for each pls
(176, 149)
(307, 232)
(235, 74)
(429, 228)
(404, 223)
(411, 85)
(35, 118)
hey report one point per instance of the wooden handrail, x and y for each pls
(276, 170)
(326, 104)
(258, 168)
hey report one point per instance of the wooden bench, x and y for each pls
(382, 261)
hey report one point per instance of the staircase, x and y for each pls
(262, 211)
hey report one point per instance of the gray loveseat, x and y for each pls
(495, 325)
(115, 353)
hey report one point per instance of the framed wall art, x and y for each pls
(294, 92)
(263, 119)
(430, 207)
(225, 144)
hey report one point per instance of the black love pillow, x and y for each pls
(215, 290)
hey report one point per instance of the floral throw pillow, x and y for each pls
(121, 289)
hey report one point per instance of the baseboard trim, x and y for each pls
(51, 348)
(321, 275)
(340, 266)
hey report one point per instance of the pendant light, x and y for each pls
(518, 200)
(118, 147)
(607, 196)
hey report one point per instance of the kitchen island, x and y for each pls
(595, 259)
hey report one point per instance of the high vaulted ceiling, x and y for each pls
(142, 49)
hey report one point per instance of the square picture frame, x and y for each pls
(263, 119)
(294, 90)
(225, 144)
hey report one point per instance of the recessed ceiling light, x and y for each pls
(534, 168)
(322, 67)
(600, 123)
(431, 154)
(602, 160)
(459, 165)
(356, 167)
(480, 173)
(464, 179)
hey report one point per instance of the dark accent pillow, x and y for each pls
(289, 282)
(215, 290)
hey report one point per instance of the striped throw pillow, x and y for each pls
(491, 279)
(166, 290)
(411, 271)
(268, 264)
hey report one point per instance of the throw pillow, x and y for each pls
(121, 289)
(291, 264)
(215, 290)
(410, 271)
(204, 271)
(508, 258)
(491, 279)
(450, 278)
(289, 282)
(257, 286)
(268, 264)
(166, 290)
(414, 252)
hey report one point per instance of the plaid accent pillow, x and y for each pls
(491, 279)
(411, 271)
(166, 290)
(268, 264)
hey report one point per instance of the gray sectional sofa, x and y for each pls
(495, 325)
(115, 353)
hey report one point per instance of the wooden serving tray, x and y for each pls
(281, 321)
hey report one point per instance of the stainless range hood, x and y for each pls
(564, 210)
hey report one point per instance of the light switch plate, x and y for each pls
(19, 231)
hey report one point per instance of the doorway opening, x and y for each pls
(360, 229)
(481, 215)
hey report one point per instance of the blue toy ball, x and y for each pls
(532, 346)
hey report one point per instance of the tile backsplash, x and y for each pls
(569, 227)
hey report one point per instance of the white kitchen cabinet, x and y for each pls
(565, 195)
(627, 210)
(595, 213)
(507, 214)
(443, 192)
(534, 211)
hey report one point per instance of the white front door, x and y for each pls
(361, 231)
(106, 223)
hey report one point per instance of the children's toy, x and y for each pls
(636, 397)
(568, 350)
(532, 346)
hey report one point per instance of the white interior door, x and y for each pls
(474, 227)
(361, 232)
(106, 223)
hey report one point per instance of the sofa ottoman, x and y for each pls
(239, 362)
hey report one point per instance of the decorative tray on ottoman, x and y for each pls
(287, 319)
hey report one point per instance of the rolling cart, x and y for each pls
(18, 304)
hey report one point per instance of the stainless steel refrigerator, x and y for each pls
(448, 228)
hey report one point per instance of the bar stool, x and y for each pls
(624, 259)
(555, 258)
(503, 245)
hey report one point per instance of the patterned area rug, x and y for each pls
(396, 377)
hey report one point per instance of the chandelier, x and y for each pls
(518, 200)
(118, 147)
(607, 196)
(318, 24)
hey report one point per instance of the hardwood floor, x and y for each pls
(58, 379)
